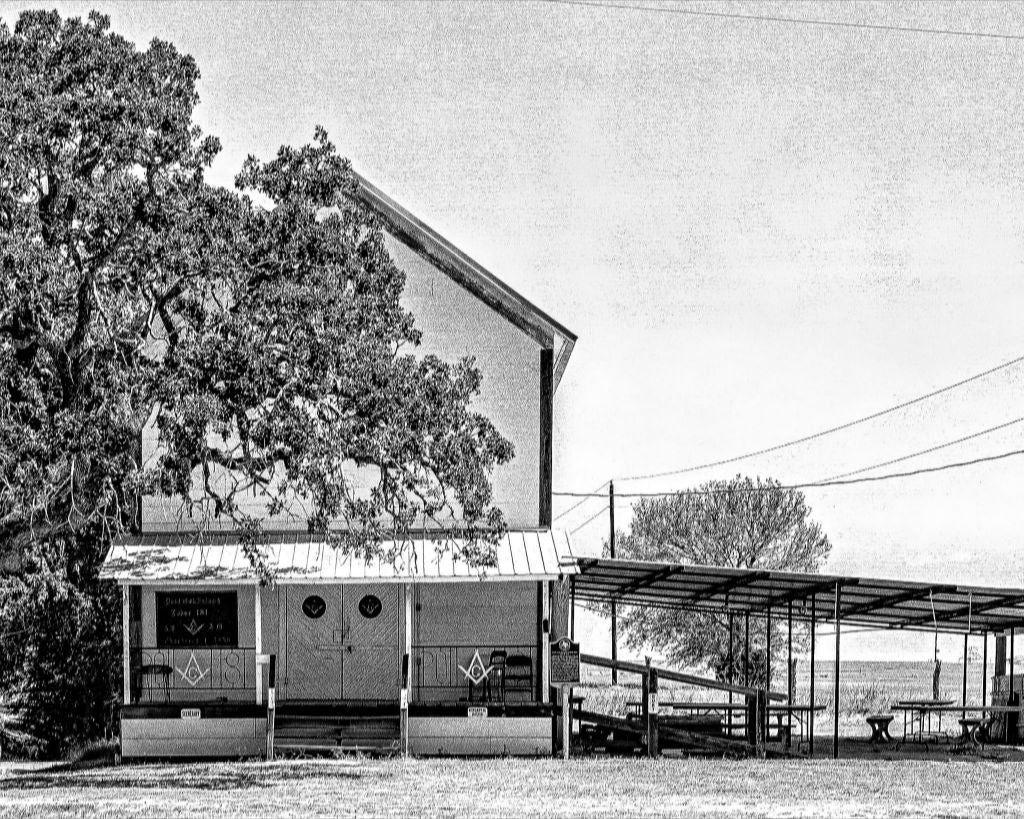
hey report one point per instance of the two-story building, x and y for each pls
(427, 654)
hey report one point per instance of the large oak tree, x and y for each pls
(259, 329)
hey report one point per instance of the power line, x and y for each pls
(578, 504)
(767, 18)
(923, 451)
(828, 431)
(814, 485)
(589, 520)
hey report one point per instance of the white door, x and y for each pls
(372, 667)
(315, 631)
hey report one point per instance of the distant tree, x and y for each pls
(260, 330)
(741, 523)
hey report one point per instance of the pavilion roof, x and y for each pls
(885, 603)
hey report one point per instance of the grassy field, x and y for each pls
(520, 788)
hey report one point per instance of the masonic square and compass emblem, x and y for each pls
(476, 673)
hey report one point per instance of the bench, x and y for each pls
(975, 729)
(880, 727)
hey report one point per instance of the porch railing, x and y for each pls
(474, 673)
(167, 674)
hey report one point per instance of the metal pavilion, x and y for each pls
(742, 594)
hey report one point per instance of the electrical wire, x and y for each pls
(579, 503)
(767, 18)
(589, 520)
(828, 431)
(922, 452)
(817, 485)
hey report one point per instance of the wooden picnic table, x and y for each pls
(971, 727)
(915, 711)
(802, 712)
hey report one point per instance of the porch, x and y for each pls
(337, 654)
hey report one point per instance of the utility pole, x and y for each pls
(611, 545)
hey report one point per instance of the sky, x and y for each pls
(758, 229)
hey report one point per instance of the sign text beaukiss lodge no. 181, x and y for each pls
(196, 619)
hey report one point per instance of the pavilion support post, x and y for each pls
(1011, 663)
(810, 718)
(1012, 700)
(611, 547)
(963, 699)
(984, 668)
(835, 699)
(746, 649)
(760, 721)
(789, 673)
(645, 705)
(728, 717)
(768, 649)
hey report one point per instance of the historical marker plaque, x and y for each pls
(196, 619)
(565, 662)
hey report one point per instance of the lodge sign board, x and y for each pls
(565, 662)
(196, 619)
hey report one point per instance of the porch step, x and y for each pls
(326, 733)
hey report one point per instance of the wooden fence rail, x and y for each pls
(678, 676)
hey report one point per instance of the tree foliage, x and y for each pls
(259, 330)
(740, 523)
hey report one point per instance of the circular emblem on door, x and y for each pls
(314, 606)
(370, 606)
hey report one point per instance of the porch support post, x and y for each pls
(835, 699)
(572, 608)
(406, 669)
(258, 614)
(545, 639)
(126, 649)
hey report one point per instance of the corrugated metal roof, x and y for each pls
(885, 603)
(301, 558)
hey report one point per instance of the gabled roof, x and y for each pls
(483, 284)
(294, 557)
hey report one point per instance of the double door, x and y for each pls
(341, 642)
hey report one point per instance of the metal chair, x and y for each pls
(496, 679)
(519, 678)
(156, 677)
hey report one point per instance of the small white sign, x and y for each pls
(271, 698)
(476, 712)
(404, 704)
(191, 713)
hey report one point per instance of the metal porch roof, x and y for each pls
(948, 607)
(212, 558)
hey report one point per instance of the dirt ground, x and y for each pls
(520, 788)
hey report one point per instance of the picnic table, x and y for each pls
(973, 727)
(803, 713)
(915, 712)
